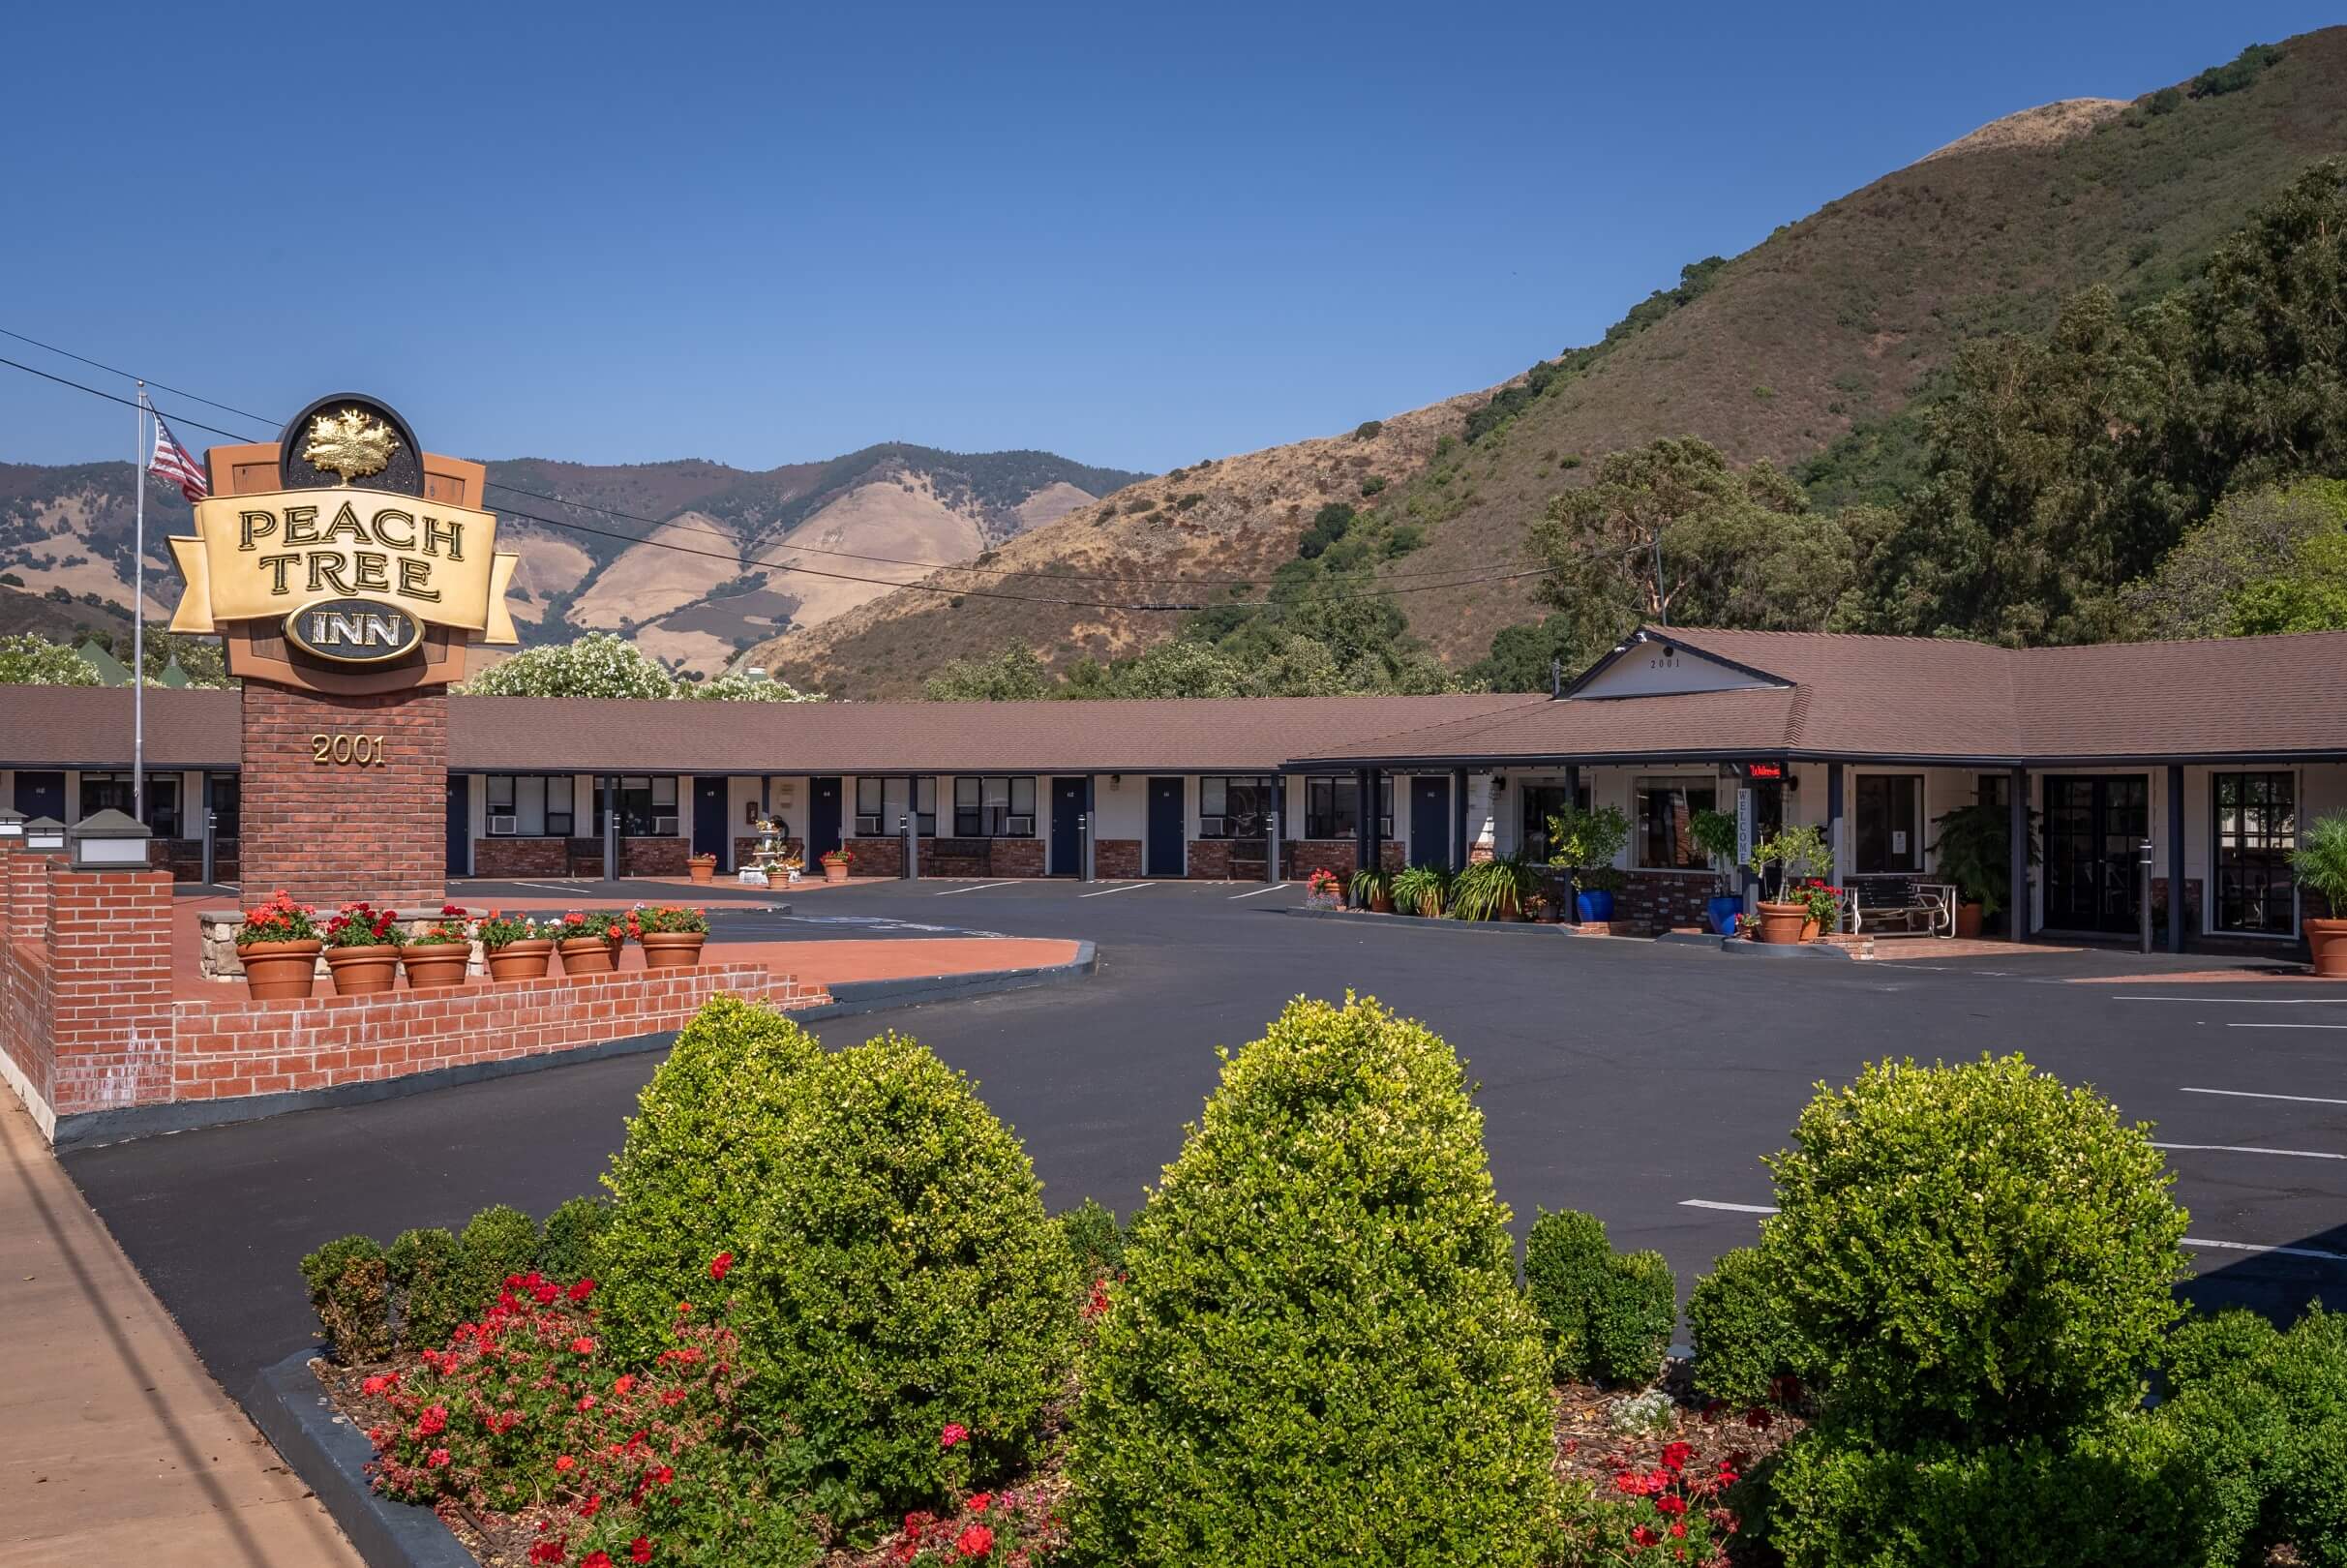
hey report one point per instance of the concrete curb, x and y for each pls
(1366, 916)
(849, 998)
(289, 1405)
(1742, 949)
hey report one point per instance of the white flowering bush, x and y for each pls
(27, 660)
(602, 664)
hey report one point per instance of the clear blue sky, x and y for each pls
(1136, 234)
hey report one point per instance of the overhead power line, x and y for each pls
(1144, 607)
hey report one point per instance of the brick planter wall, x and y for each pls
(1015, 858)
(1116, 860)
(1658, 901)
(872, 858)
(1304, 856)
(1210, 860)
(330, 832)
(654, 856)
(521, 856)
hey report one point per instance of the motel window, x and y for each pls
(1889, 821)
(1235, 807)
(879, 806)
(112, 792)
(1540, 801)
(227, 797)
(1666, 818)
(1332, 807)
(994, 807)
(648, 805)
(2256, 832)
(533, 805)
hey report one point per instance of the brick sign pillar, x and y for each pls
(367, 821)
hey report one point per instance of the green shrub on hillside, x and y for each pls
(495, 1244)
(350, 1287)
(566, 1251)
(703, 1142)
(1319, 1351)
(1742, 1344)
(900, 1276)
(429, 1280)
(1971, 1252)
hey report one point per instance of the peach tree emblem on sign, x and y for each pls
(352, 444)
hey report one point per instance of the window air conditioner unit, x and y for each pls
(1019, 827)
(664, 827)
(502, 823)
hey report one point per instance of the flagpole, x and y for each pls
(138, 617)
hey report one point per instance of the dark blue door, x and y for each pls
(822, 818)
(1067, 805)
(460, 826)
(41, 794)
(710, 836)
(1431, 821)
(1165, 848)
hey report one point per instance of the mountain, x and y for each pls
(727, 583)
(1810, 346)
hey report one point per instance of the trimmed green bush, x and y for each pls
(495, 1244)
(2216, 1344)
(1971, 1252)
(349, 1286)
(2269, 1411)
(1630, 1322)
(566, 1251)
(1566, 1260)
(700, 1148)
(901, 1276)
(2125, 1494)
(1094, 1240)
(1319, 1351)
(1741, 1343)
(429, 1279)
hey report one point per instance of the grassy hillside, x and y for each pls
(1811, 345)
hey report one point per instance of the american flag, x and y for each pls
(172, 463)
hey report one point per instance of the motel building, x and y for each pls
(2215, 754)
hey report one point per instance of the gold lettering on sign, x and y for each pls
(347, 750)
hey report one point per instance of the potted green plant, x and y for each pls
(588, 941)
(1974, 851)
(1422, 889)
(1586, 842)
(278, 945)
(437, 954)
(1715, 834)
(514, 947)
(671, 935)
(703, 867)
(1795, 854)
(1494, 890)
(2320, 864)
(363, 950)
(1372, 889)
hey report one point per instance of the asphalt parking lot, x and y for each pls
(1641, 1081)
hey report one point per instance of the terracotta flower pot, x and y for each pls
(589, 955)
(834, 872)
(1784, 922)
(702, 870)
(1381, 902)
(1810, 930)
(279, 971)
(527, 959)
(363, 971)
(436, 963)
(671, 950)
(1967, 921)
(2327, 942)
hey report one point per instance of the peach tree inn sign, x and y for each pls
(345, 547)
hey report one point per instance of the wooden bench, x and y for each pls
(1902, 901)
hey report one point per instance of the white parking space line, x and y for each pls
(2251, 1094)
(2286, 1026)
(2239, 1148)
(977, 887)
(1275, 888)
(2245, 1001)
(552, 887)
(2189, 1241)
(1128, 888)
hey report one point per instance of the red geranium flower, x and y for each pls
(1674, 1454)
(1642, 1535)
(640, 1549)
(980, 1501)
(719, 1264)
(565, 1464)
(975, 1542)
(596, 1559)
(952, 1433)
(583, 1345)
(546, 1552)
(582, 1290)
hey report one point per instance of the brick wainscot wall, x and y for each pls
(90, 1027)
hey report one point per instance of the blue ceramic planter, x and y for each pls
(1724, 913)
(1594, 907)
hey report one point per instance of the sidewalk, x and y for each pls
(115, 1445)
